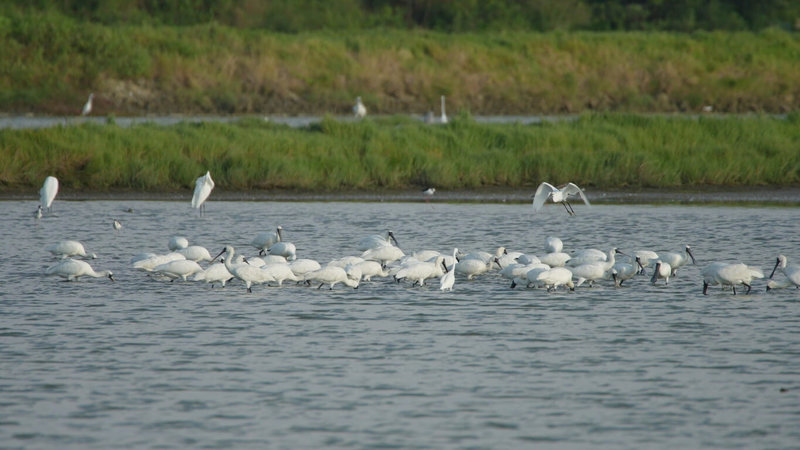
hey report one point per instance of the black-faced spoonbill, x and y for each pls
(65, 249)
(72, 269)
(555, 277)
(677, 260)
(177, 243)
(332, 276)
(448, 279)
(202, 189)
(249, 274)
(559, 194)
(377, 240)
(736, 274)
(87, 108)
(662, 271)
(263, 241)
(48, 192)
(359, 110)
(792, 272)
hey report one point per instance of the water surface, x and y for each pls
(144, 363)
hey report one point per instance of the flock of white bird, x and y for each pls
(380, 256)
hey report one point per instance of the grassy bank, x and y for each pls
(602, 151)
(52, 62)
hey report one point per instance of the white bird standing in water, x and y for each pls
(72, 269)
(87, 108)
(449, 278)
(559, 194)
(792, 271)
(443, 119)
(38, 213)
(48, 192)
(359, 110)
(202, 190)
(117, 225)
(65, 249)
(677, 260)
(263, 241)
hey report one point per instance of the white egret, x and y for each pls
(72, 270)
(443, 119)
(792, 272)
(559, 194)
(202, 189)
(48, 192)
(87, 108)
(359, 110)
(65, 249)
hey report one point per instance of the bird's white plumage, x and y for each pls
(202, 189)
(72, 270)
(557, 195)
(48, 192)
(359, 110)
(443, 118)
(87, 107)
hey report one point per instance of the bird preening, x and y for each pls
(559, 194)
(202, 190)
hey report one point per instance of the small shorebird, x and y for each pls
(428, 193)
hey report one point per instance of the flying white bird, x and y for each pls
(202, 190)
(559, 194)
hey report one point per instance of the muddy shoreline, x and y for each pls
(786, 196)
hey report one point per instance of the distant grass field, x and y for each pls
(599, 150)
(51, 63)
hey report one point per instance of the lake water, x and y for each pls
(148, 363)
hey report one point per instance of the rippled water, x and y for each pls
(147, 363)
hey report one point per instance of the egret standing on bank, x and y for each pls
(87, 108)
(559, 194)
(202, 190)
(359, 109)
(444, 116)
(48, 192)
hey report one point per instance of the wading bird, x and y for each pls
(48, 192)
(202, 189)
(72, 270)
(559, 194)
(443, 119)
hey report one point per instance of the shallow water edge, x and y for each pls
(778, 196)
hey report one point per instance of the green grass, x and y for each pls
(598, 150)
(51, 63)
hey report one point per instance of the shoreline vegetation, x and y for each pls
(600, 152)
